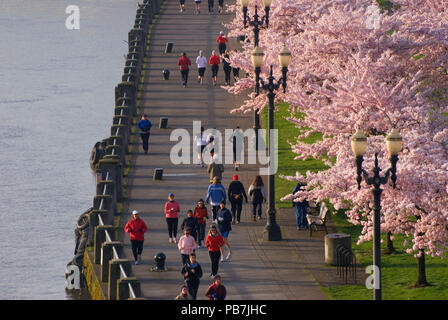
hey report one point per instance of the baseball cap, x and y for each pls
(135, 212)
(235, 177)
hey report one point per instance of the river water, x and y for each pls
(56, 101)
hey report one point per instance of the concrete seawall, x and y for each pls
(98, 254)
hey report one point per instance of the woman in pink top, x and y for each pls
(172, 209)
(186, 245)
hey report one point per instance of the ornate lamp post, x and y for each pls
(359, 144)
(257, 23)
(272, 229)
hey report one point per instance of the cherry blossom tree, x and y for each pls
(345, 75)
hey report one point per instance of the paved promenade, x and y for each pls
(258, 270)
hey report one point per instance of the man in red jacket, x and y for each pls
(137, 228)
(216, 291)
(222, 40)
(184, 64)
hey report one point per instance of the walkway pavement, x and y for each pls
(258, 270)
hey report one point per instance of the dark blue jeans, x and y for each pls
(300, 212)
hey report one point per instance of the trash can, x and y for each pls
(163, 123)
(160, 261)
(169, 47)
(158, 174)
(166, 74)
(332, 241)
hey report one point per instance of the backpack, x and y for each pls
(257, 196)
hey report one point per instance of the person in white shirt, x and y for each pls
(201, 61)
(201, 142)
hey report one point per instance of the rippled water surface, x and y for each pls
(56, 101)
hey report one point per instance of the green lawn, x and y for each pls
(287, 132)
(399, 271)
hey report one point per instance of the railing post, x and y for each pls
(123, 288)
(100, 237)
(114, 275)
(93, 223)
(107, 255)
(112, 165)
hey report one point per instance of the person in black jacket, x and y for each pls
(192, 272)
(235, 194)
(191, 222)
(224, 227)
(226, 67)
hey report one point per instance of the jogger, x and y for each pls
(184, 63)
(201, 215)
(172, 209)
(201, 61)
(214, 62)
(214, 242)
(236, 192)
(137, 228)
(258, 194)
(145, 126)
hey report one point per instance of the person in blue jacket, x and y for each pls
(215, 194)
(145, 126)
(224, 227)
(300, 208)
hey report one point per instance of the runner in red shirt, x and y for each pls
(137, 228)
(222, 40)
(214, 242)
(184, 63)
(214, 62)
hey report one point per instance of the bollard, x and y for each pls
(160, 261)
(107, 255)
(115, 275)
(123, 288)
(158, 174)
(169, 47)
(100, 237)
(166, 74)
(163, 123)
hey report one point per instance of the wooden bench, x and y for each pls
(319, 220)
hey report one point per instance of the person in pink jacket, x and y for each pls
(172, 209)
(186, 245)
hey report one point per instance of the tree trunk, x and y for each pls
(421, 281)
(389, 244)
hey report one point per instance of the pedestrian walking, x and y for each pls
(216, 291)
(137, 228)
(201, 143)
(222, 40)
(237, 140)
(300, 208)
(144, 126)
(197, 4)
(236, 71)
(220, 5)
(183, 295)
(236, 193)
(214, 168)
(201, 62)
(172, 209)
(182, 5)
(214, 243)
(192, 272)
(211, 4)
(186, 245)
(224, 227)
(226, 67)
(258, 194)
(184, 63)
(191, 223)
(214, 62)
(201, 214)
(215, 194)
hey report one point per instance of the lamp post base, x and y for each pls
(272, 230)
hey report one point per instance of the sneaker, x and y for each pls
(170, 240)
(174, 240)
(212, 276)
(259, 217)
(238, 222)
(136, 262)
(229, 256)
(222, 258)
